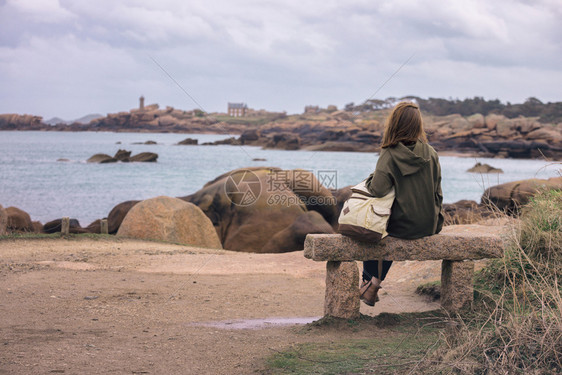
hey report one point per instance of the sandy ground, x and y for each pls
(110, 306)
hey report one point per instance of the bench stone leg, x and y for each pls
(456, 284)
(342, 292)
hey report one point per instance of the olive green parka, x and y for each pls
(415, 173)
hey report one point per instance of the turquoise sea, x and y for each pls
(32, 179)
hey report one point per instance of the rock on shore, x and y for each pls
(124, 156)
(492, 135)
(101, 159)
(249, 207)
(511, 196)
(188, 141)
(55, 226)
(484, 168)
(117, 214)
(12, 121)
(169, 219)
(144, 157)
(18, 220)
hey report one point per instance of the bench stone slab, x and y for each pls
(456, 245)
(455, 242)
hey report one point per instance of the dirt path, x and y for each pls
(123, 306)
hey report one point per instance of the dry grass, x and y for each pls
(516, 324)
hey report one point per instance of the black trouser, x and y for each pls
(371, 269)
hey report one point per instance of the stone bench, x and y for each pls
(457, 246)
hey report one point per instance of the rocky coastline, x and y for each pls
(260, 210)
(278, 221)
(493, 135)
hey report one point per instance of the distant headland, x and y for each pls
(472, 126)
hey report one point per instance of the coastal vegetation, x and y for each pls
(532, 107)
(516, 324)
(513, 327)
(398, 343)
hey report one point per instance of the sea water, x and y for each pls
(32, 178)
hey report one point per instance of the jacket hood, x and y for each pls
(410, 161)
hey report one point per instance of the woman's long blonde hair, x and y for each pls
(404, 124)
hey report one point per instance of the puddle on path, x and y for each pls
(257, 323)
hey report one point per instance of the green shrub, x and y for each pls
(541, 229)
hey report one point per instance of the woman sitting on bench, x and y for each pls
(410, 165)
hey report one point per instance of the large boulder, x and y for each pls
(122, 155)
(518, 148)
(18, 220)
(37, 226)
(313, 193)
(249, 206)
(3, 221)
(546, 133)
(171, 220)
(506, 128)
(459, 123)
(476, 120)
(117, 214)
(492, 121)
(144, 157)
(94, 227)
(101, 158)
(188, 141)
(284, 141)
(55, 226)
(249, 136)
(512, 195)
(292, 237)
(11, 121)
(526, 125)
(167, 120)
(484, 168)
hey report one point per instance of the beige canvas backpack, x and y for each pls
(365, 217)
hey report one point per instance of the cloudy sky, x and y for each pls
(69, 58)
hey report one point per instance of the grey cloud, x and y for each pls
(94, 56)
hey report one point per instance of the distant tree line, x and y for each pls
(532, 107)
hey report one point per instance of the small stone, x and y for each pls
(484, 168)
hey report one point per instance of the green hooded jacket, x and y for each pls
(415, 173)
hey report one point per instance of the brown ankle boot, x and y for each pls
(369, 291)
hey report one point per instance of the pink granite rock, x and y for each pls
(342, 291)
(172, 220)
(455, 242)
(456, 285)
